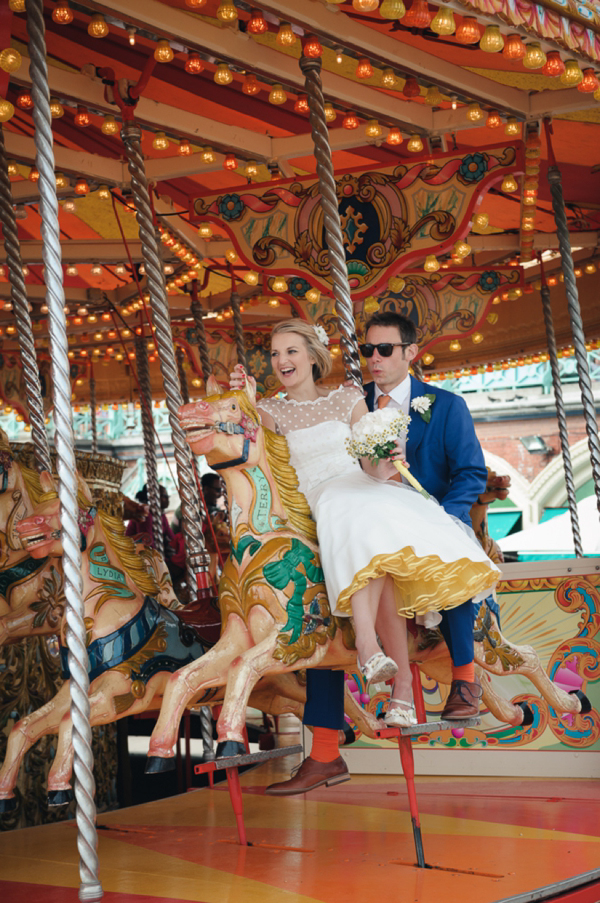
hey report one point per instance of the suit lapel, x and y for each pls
(417, 427)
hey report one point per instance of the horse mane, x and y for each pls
(278, 455)
(31, 479)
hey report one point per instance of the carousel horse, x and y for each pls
(134, 643)
(275, 613)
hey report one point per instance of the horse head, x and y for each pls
(224, 426)
(41, 532)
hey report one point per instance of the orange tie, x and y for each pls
(383, 401)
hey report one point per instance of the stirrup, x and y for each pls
(378, 668)
(401, 717)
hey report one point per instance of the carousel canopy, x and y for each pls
(437, 139)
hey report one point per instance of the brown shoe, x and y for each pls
(463, 701)
(311, 774)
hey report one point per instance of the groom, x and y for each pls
(445, 456)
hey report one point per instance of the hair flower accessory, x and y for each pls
(321, 334)
(422, 404)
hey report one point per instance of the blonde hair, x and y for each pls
(316, 348)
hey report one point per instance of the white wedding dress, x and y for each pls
(367, 527)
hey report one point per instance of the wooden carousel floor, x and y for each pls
(485, 840)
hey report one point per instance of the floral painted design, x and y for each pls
(298, 287)
(231, 206)
(489, 281)
(473, 167)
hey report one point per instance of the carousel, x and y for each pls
(176, 177)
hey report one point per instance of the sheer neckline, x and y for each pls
(312, 400)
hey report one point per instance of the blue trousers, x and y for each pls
(325, 688)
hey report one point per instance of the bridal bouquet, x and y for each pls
(374, 437)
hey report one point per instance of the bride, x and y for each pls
(387, 552)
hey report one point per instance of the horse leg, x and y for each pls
(185, 685)
(365, 721)
(26, 732)
(501, 708)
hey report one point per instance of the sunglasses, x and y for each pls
(385, 349)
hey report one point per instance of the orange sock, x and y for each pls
(325, 744)
(464, 672)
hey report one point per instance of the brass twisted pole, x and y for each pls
(87, 838)
(185, 389)
(18, 297)
(238, 330)
(311, 69)
(141, 357)
(190, 509)
(561, 417)
(196, 308)
(94, 423)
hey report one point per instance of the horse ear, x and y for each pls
(4, 443)
(47, 481)
(212, 386)
(83, 489)
(250, 390)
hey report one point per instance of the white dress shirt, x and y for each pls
(399, 398)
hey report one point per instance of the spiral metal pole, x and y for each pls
(143, 373)
(206, 731)
(562, 421)
(185, 389)
(190, 508)
(238, 330)
(87, 840)
(583, 370)
(200, 332)
(18, 297)
(93, 413)
(311, 69)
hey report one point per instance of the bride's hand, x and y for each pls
(399, 455)
(238, 379)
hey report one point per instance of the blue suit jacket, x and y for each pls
(444, 455)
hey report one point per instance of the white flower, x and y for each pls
(421, 404)
(376, 429)
(321, 334)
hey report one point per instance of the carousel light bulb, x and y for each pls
(34, 174)
(443, 22)
(10, 60)
(82, 187)
(477, 338)
(509, 184)
(109, 126)
(373, 129)
(185, 148)
(160, 141)
(468, 32)
(364, 68)
(279, 284)
(131, 35)
(454, 101)
(512, 127)
(61, 180)
(98, 27)
(431, 264)
(104, 193)
(273, 302)
(163, 52)
(223, 74)
(251, 277)
(301, 105)
(205, 231)
(25, 100)
(330, 112)
(597, 94)
(365, 6)
(534, 57)
(394, 137)
(251, 169)
(227, 11)
(311, 47)
(69, 206)
(16, 6)
(257, 24)
(554, 65)
(411, 87)
(388, 78)
(494, 120)
(285, 35)
(414, 144)
(350, 121)
(142, 269)
(392, 9)
(82, 117)
(590, 268)
(7, 111)
(461, 249)
(96, 270)
(339, 56)
(194, 64)
(491, 40)
(475, 113)
(433, 98)
(25, 271)
(589, 83)
(231, 255)
(572, 76)
(62, 13)
(277, 95)
(250, 85)
(120, 269)
(56, 108)
(195, 4)
(454, 345)
(313, 295)
(514, 47)
(230, 162)
(481, 221)
(12, 168)
(208, 155)
(418, 16)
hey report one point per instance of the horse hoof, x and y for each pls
(228, 748)
(586, 705)
(349, 735)
(527, 714)
(158, 764)
(8, 805)
(60, 797)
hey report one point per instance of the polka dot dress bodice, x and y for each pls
(316, 432)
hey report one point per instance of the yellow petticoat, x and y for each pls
(423, 584)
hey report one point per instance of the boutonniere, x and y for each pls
(422, 404)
